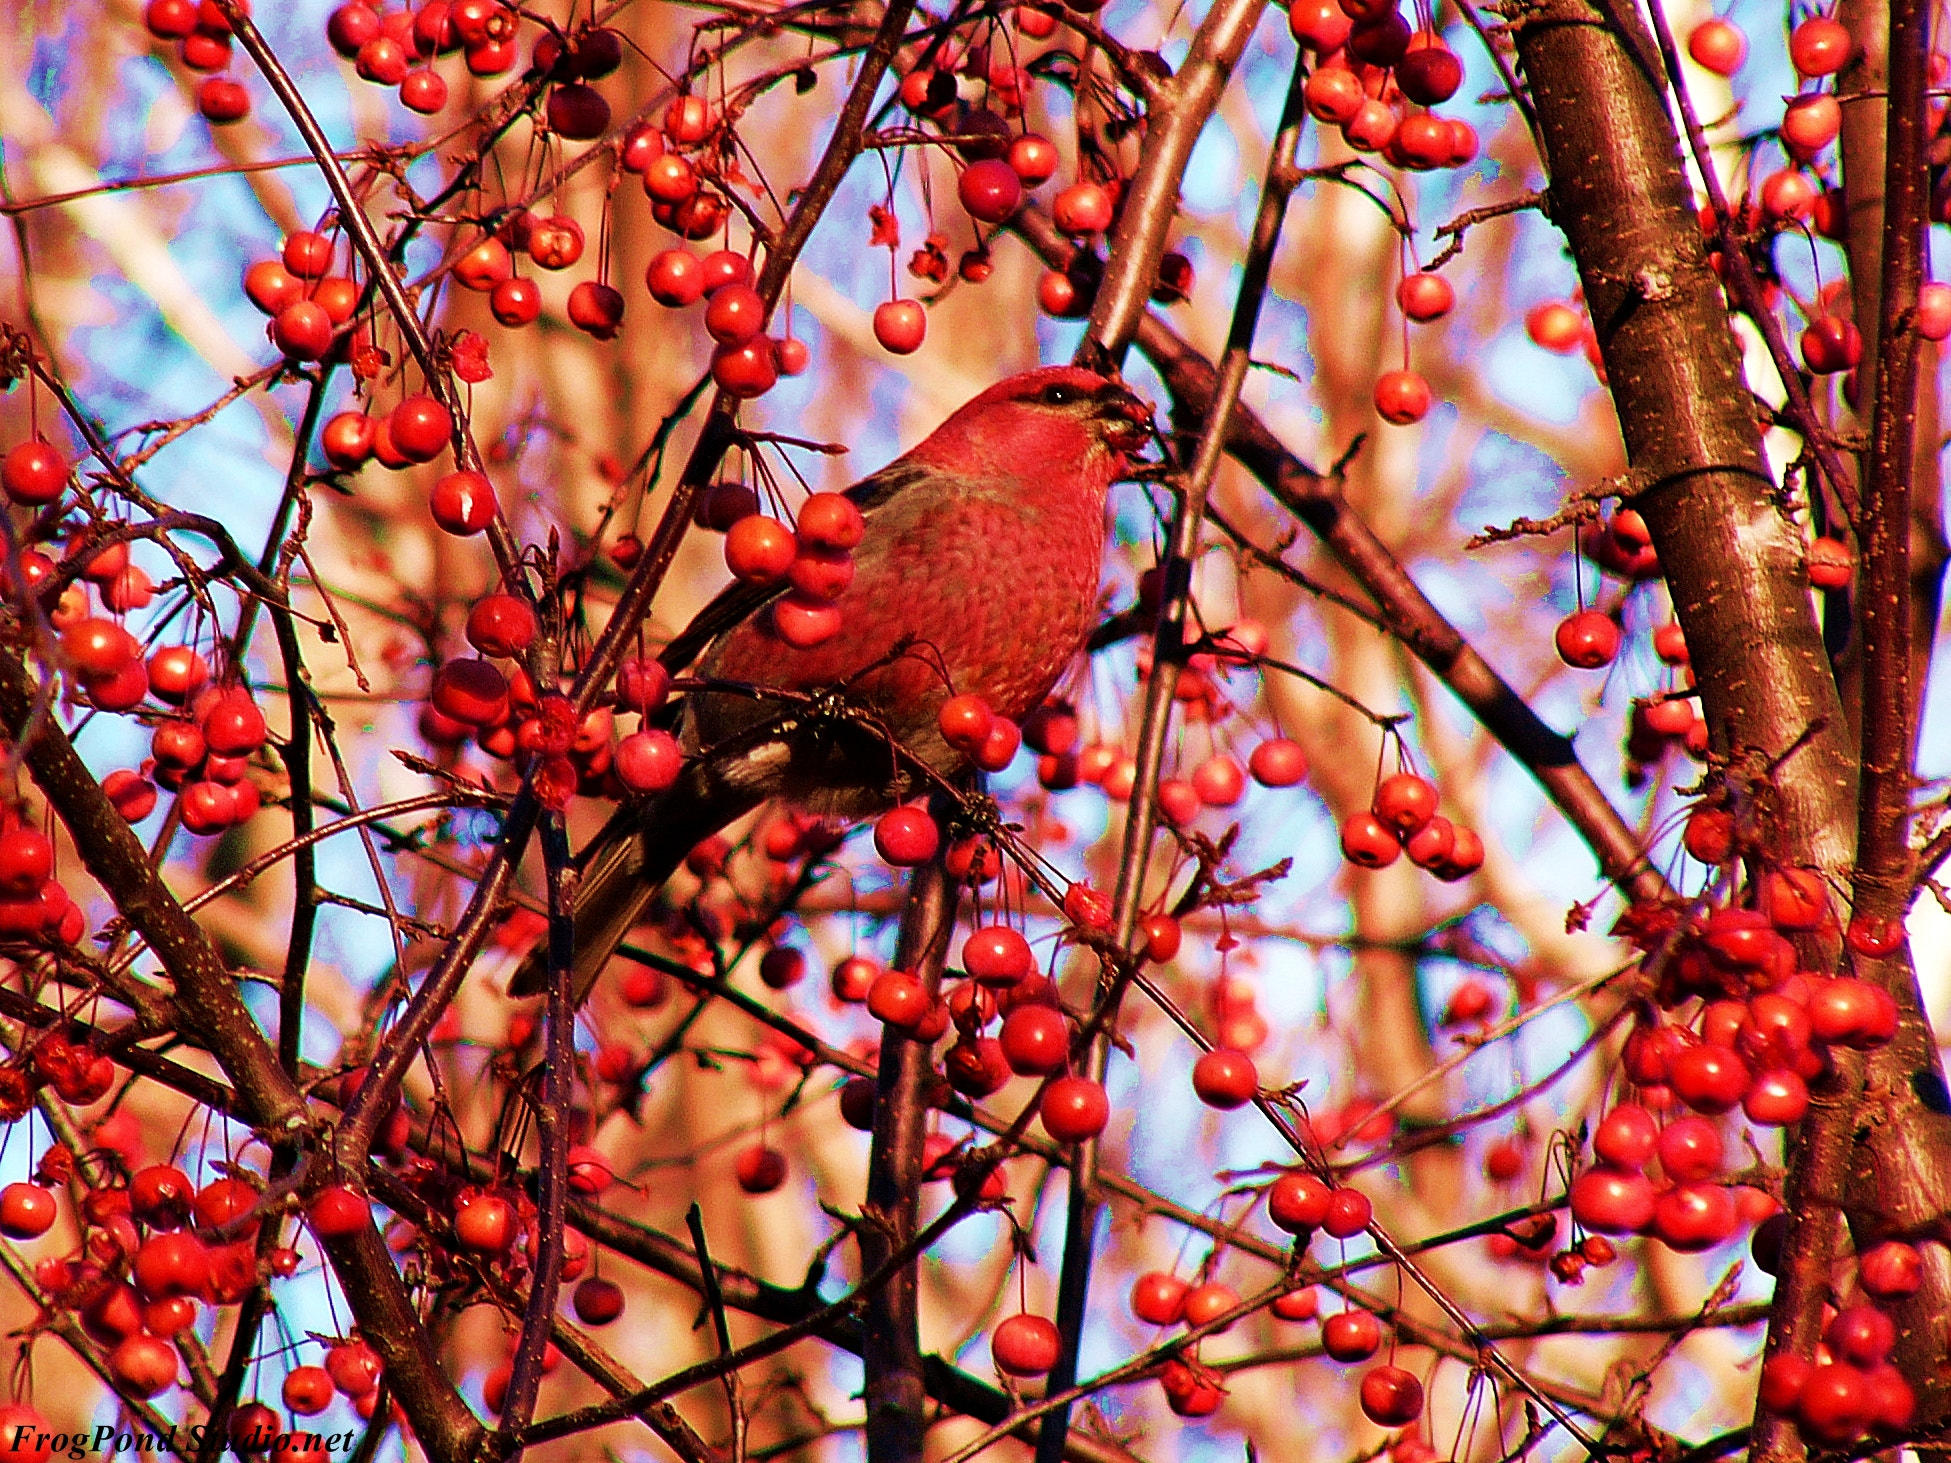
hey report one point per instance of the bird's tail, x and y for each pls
(625, 865)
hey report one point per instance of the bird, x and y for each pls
(977, 573)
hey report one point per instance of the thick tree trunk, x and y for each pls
(1732, 558)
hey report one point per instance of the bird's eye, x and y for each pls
(1061, 395)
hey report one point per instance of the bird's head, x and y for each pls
(1049, 421)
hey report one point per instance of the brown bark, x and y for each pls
(1731, 558)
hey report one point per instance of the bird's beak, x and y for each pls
(1127, 420)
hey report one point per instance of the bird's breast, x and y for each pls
(992, 595)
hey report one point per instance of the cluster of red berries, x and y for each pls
(202, 35)
(397, 48)
(511, 720)
(1033, 1040)
(1819, 47)
(200, 749)
(1401, 819)
(1371, 62)
(1373, 69)
(814, 557)
(306, 301)
(1849, 1388)
(32, 900)
(1763, 1031)
(682, 165)
(154, 1251)
(204, 734)
(971, 93)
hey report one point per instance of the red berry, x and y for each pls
(308, 1390)
(1587, 639)
(463, 503)
(990, 189)
(675, 278)
(337, 1211)
(1033, 159)
(1278, 763)
(1819, 46)
(759, 1169)
(1349, 1213)
(174, 1263)
(1783, 1376)
(747, 370)
(1811, 123)
(27, 1211)
(1405, 802)
(423, 90)
(1627, 1137)
(1831, 344)
(831, 521)
(1689, 1149)
(760, 549)
(1302, 1304)
(735, 314)
(906, 837)
(348, 28)
(1425, 297)
(501, 625)
(223, 100)
(170, 20)
(1367, 842)
(382, 61)
(1693, 1217)
(420, 428)
(302, 330)
(648, 761)
(1298, 1202)
(1024, 1345)
(1208, 1302)
(1718, 46)
(1710, 1079)
(1158, 1298)
(144, 1364)
(791, 356)
(1035, 1040)
(596, 309)
(1082, 208)
(33, 474)
(1402, 397)
(900, 325)
(577, 112)
(1225, 1079)
(347, 440)
(354, 1368)
(1612, 1201)
(997, 956)
(201, 52)
(516, 302)
(598, 1301)
(1351, 1336)
(688, 120)
(1218, 782)
(485, 1223)
(1891, 1270)
(1555, 326)
(1933, 318)
(1391, 1396)
(898, 999)
(1321, 26)
(1073, 1109)
(1831, 565)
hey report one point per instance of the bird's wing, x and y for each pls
(736, 603)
